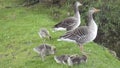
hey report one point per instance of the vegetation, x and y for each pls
(18, 37)
(107, 20)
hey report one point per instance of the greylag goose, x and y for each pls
(72, 60)
(61, 59)
(44, 33)
(70, 23)
(83, 34)
(44, 50)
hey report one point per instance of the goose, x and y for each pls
(61, 59)
(44, 33)
(70, 23)
(83, 34)
(44, 50)
(72, 60)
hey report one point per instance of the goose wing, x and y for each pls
(67, 23)
(79, 34)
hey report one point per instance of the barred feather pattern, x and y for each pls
(81, 35)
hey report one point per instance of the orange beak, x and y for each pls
(97, 10)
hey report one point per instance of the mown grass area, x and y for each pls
(19, 35)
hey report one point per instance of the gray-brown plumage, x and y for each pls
(44, 50)
(70, 23)
(83, 34)
(61, 59)
(44, 33)
(73, 60)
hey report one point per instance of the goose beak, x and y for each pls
(80, 4)
(97, 10)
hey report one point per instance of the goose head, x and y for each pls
(93, 10)
(78, 4)
(53, 50)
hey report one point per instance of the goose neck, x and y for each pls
(91, 23)
(76, 10)
(90, 19)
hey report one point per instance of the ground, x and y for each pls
(19, 28)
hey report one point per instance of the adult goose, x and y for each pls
(70, 23)
(83, 34)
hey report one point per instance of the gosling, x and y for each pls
(44, 50)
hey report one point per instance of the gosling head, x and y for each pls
(44, 33)
(84, 58)
(52, 50)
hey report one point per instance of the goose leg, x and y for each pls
(81, 48)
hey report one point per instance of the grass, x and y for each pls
(18, 37)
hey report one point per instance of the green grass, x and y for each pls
(18, 37)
